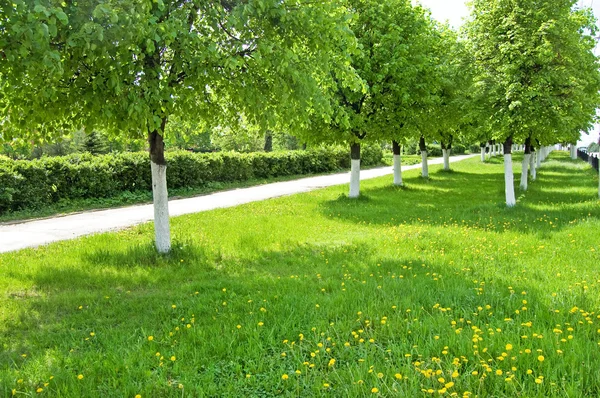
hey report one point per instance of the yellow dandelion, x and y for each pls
(150, 338)
(509, 347)
(398, 376)
(173, 358)
(374, 390)
(541, 358)
(284, 376)
(499, 372)
(79, 377)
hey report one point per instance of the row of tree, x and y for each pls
(343, 71)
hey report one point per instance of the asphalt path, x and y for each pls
(15, 236)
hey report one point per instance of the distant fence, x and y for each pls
(590, 158)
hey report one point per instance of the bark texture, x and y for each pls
(397, 164)
(354, 170)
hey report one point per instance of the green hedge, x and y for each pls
(34, 183)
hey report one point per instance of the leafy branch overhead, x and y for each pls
(128, 65)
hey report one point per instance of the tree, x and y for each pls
(94, 143)
(390, 39)
(453, 107)
(128, 66)
(536, 70)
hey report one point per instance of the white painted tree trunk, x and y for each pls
(532, 167)
(446, 153)
(573, 152)
(538, 159)
(483, 154)
(398, 170)
(355, 178)
(509, 186)
(494, 150)
(424, 165)
(525, 171)
(162, 230)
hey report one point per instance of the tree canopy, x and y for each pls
(537, 72)
(126, 66)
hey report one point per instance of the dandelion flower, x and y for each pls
(173, 358)
(374, 390)
(150, 338)
(284, 376)
(541, 358)
(79, 377)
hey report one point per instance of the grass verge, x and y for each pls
(431, 289)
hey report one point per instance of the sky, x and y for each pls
(454, 11)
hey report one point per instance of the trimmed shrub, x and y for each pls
(458, 149)
(34, 183)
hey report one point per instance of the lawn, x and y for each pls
(427, 290)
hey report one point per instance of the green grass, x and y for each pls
(407, 289)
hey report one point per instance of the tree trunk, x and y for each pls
(573, 152)
(354, 170)
(269, 141)
(482, 152)
(424, 165)
(532, 165)
(525, 164)
(509, 186)
(446, 150)
(160, 195)
(397, 164)
(446, 154)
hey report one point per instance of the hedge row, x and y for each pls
(435, 149)
(31, 184)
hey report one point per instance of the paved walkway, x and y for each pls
(41, 232)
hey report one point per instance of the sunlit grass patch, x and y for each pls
(432, 289)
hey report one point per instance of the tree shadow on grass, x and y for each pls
(473, 199)
(320, 286)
